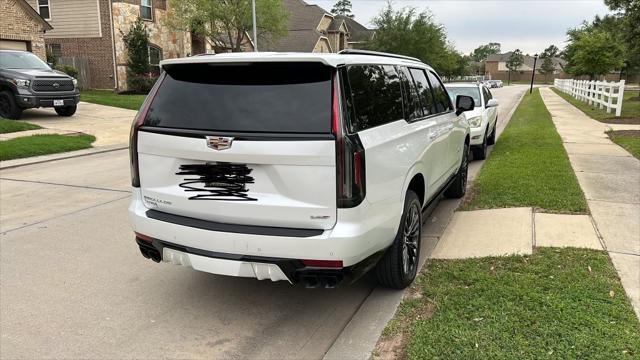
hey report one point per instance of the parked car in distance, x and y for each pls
(482, 119)
(307, 168)
(28, 82)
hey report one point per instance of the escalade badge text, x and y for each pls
(219, 142)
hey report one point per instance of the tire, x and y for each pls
(480, 151)
(492, 138)
(66, 110)
(9, 109)
(458, 187)
(399, 265)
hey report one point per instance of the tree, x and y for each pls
(136, 41)
(482, 52)
(342, 7)
(227, 24)
(629, 15)
(410, 33)
(547, 66)
(455, 64)
(515, 60)
(594, 53)
(550, 52)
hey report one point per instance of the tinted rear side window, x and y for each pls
(439, 93)
(376, 95)
(413, 106)
(258, 97)
(424, 91)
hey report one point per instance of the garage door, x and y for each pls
(13, 45)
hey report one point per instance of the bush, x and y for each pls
(67, 69)
(139, 84)
(136, 40)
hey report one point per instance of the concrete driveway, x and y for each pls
(110, 125)
(73, 284)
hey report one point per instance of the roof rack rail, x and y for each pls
(376, 53)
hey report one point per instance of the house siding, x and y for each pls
(73, 18)
(97, 50)
(16, 24)
(322, 46)
(173, 43)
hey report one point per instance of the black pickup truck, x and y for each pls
(28, 82)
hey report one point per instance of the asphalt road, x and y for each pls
(73, 284)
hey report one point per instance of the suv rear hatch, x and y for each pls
(240, 143)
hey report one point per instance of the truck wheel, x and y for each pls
(458, 187)
(66, 110)
(399, 265)
(9, 109)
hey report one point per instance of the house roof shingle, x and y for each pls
(357, 31)
(302, 31)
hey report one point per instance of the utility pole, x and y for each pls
(533, 74)
(255, 31)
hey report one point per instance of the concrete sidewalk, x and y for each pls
(610, 179)
(513, 231)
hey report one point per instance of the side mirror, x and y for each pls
(492, 103)
(464, 103)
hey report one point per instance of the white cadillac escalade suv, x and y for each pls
(310, 168)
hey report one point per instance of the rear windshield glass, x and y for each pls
(258, 97)
(468, 91)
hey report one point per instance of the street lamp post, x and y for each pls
(255, 31)
(533, 74)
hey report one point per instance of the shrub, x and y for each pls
(67, 69)
(139, 84)
(51, 59)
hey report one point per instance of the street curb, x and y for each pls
(10, 164)
(359, 337)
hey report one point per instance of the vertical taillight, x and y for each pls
(133, 135)
(350, 160)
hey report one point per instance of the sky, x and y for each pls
(530, 25)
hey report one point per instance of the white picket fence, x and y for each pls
(607, 95)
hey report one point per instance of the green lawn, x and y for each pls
(630, 108)
(9, 126)
(528, 166)
(555, 304)
(111, 98)
(35, 145)
(628, 139)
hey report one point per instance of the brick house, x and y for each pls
(91, 31)
(22, 28)
(496, 67)
(313, 29)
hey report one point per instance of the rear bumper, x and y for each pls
(356, 243)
